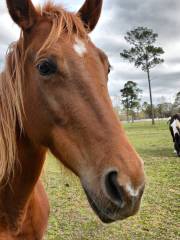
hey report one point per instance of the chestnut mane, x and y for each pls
(11, 82)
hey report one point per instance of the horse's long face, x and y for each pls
(68, 109)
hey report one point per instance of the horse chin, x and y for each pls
(102, 212)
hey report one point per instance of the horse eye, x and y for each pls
(109, 69)
(47, 68)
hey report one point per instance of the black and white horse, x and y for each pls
(174, 125)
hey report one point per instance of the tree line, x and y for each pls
(131, 102)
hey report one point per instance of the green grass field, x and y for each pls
(159, 218)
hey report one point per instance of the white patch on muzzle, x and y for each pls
(80, 47)
(132, 192)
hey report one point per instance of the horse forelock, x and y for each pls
(62, 22)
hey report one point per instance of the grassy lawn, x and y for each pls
(159, 219)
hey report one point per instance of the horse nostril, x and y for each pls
(113, 189)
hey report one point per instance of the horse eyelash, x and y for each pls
(110, 68)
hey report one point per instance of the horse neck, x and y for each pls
(15, 195)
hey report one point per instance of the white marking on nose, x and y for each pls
(80, 47)
(132, 192)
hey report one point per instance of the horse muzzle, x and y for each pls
(115, 202)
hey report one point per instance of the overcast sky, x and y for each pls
(118, 17)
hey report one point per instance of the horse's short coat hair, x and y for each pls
(66, 110)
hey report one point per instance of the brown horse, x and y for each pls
(53, 95)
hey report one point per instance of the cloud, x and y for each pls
(118, 17)
(163, 17)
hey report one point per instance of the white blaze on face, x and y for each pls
(175, 124)
(80, 47)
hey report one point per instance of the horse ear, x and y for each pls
(90, 13)
(22, 12)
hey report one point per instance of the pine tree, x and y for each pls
(143, 53)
